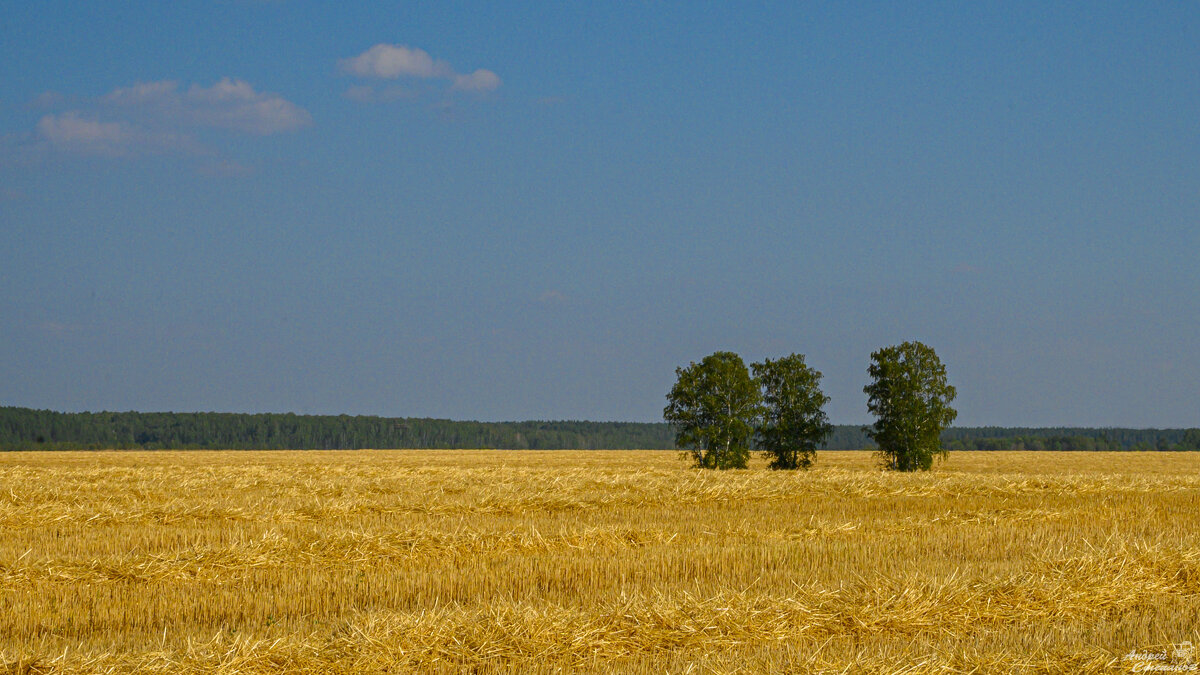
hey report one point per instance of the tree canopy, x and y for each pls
(910, 397)
(713, 408)
(793, 422)
(717, 409)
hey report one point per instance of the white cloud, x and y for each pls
(143, 93)
(228, 104)
(386, 61)
(163, 117)
(71, 128)
(73, 132)
(480, 80)
(392, 61)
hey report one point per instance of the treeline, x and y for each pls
(1040, 438)
(1070, 438)
(27, 429)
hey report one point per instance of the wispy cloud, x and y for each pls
(163, 117)
(57, 328)
(480, 80)
(73, 132)
(385, 61)
(228, 104)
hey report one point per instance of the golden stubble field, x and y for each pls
(415, 561)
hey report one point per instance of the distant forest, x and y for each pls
(27, 429)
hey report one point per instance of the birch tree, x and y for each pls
(910, 397)
(713, 408)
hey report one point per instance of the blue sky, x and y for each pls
(537, 211)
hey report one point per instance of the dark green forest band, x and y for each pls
(27, 429)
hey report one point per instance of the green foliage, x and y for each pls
(713, 408)
(1071, 439)
(910, 397)
(1190, 440)
(794, 422)
(26, 429)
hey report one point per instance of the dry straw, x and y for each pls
(493, 561)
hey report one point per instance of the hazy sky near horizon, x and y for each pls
(539, 210)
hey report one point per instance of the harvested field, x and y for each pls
(494, 561)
